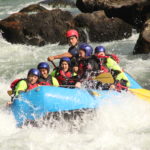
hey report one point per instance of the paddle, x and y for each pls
(104, 78)
(9, 92)
(53, 64)
(107, 78)
(141, 93)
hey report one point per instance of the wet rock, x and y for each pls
(107, 4)
(33, 8)
(55, 3)
(101, 28)
(133, 12)
(12, 31)
(38, 29)
(143, 44)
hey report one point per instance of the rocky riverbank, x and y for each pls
(100, 20)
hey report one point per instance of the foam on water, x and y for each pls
(7, 7)
(121, 123)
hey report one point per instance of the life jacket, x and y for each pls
(64, 78)
(80, 70)
(32, 86)
(120, 87)
(47, 81)
(44, 83)
(103, 69)
(82, 66)
(114, 57)
(15, 82)
(102, 60)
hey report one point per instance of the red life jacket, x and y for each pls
(32, 86)
(47, 81)
(103, 68)
(15, 82)
(114, 57)
(64, 77)
(99, 56)
(81, 66)
(120, 87)
(81, 69)
(44, 83)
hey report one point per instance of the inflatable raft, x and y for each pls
(37, 103)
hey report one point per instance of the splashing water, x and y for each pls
(121, 123)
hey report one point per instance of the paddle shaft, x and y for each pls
(53, 64)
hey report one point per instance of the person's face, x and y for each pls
(100, 54)
(81, 53)
(44, 72)
(75, 69)
(72, 41)
(64, 66)
(32, 79)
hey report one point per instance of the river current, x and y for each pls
(121, 126)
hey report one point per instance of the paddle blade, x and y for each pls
(141, 93)
(104, 78)
(9, 92)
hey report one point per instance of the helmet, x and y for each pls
(67, 59)
(34, 71)
(43, 65)
(87, 48)
(100, 49)
(72, 32)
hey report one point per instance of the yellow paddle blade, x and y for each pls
(9, 92)
(141, 93)
(104, 78)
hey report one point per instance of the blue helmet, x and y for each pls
(34, 71)
(67, 59)
(100, 49)
(87, 48)
(43, 65)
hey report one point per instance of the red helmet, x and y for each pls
(72, 32)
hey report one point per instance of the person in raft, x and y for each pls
(45, 77)
(85, 52)
(64, 74)
(72, 36)
(23, 85)
(108, 64)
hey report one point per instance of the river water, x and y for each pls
(124, 125)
